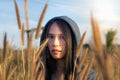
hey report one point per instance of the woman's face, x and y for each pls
(56, 44)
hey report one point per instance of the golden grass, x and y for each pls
(79, 66)
(38, 53)
(80, 45)
(96, 35)
(39, 26)
(81, 76)
(79, 48)
(88, 68)
(102, 57)
(17, 14)
(4, 48)
(11, 73)
(26, 13)
(22, 35)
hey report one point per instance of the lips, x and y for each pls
(55, 51)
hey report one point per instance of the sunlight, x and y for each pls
(104, 10)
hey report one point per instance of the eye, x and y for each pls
(61, 37)
(50, 36)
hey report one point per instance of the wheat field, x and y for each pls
(24, 63)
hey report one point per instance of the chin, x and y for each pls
(58, 58)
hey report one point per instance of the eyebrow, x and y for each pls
(53, 34)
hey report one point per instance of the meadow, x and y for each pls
(24, 63)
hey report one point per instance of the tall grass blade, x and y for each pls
(108, 69)
(102, 57)
(26, 13)
(79, 66)
(29, 47)
(4, 48)
(39, 27)
(18, 15)
(42, 46)
(81, 76)
(88, 68)
(80, 45)
(11, 73)
(22, 35)
(78, 52)
(96, 35)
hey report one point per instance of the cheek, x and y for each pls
(49, 45)
(50, 42)
(64, 46)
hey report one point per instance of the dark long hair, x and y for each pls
(70, 39)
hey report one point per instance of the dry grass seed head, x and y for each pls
(26, 13)
(80, 45)
(39, 27)
(17, 14)
(4, 48)
(42, 46)
(88, 68)
(78, 53)
(82, 61)
(96, 35)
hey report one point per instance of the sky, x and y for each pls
(106, 12)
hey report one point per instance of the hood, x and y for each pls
(72, 24)
(74, 27)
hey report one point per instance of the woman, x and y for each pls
(58, 56)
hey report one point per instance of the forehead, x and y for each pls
(55, 29)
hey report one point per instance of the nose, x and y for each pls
(56, 42)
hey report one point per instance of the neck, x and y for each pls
(59, 73)
(60, 65)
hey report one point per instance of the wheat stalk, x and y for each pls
(4, 48)
(26, 13)
(80, 45)
(82, 61)
(101, 56)
(17, 14)
(23, 59)
(81, 76)
(11, 73)
(42, 46)
(78, 53)
(29, 55)
(32, 70)
(39, 27)
(108, 69)
(97, 36)
(37, 66)
(41, 76)
(29, 46)
(88, 68)
(22, 35)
